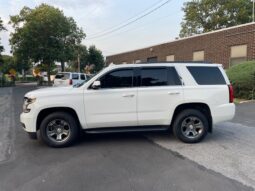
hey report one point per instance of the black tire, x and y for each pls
(185, 129)
(68, 124)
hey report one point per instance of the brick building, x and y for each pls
(226, 46)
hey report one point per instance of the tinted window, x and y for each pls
(62, 76)
(173, 77)
(83, 77)
(207, 75)
(75, 76)
(118, 79)
(159, 77)
(154, 77)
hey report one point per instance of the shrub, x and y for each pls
(242, 77)
(5, 82)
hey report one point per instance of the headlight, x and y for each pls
(27, 102)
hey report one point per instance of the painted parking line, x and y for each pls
(230, 150)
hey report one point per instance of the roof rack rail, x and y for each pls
(179, 62)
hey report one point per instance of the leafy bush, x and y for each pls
(5, 82)
(242, 77)
(28, 79)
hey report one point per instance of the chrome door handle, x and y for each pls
(173, 93)
(128, 95)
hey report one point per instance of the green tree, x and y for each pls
(14, 63)
(89, 58)
(44, 35)
(7, 64)
(207, 15)
(83, 53)
(1, 47)
(22, 62)
(80, 54)
(96, 58)
(70, 42)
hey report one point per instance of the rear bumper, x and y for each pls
(224, 112)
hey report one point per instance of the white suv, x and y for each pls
(69, 79)
(187, 98)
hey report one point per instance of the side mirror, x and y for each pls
(96, 84)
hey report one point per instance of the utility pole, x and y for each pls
(78, 59)
(79, 63)
(253, 11)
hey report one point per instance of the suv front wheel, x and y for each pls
(190, 126)
(59, 129)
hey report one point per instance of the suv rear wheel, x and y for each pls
(59, 129)
(190, 126)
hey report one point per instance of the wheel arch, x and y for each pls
(204, 108)
(45, 112)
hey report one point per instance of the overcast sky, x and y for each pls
(99, 16)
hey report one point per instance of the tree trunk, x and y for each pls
(23, 74)
(48, 74)
(62, 66)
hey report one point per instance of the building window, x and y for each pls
(152, 59)
(137, 61)
(199, 55)
(238, 54)
(170, 58)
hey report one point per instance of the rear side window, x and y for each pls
(207, 75)
(83, 77)
(75, 76)
(62, 76)
(118, 79)
(173, 77)
(159, 77)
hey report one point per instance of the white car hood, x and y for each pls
(52, 91)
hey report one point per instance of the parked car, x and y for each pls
(69, 79)
(188, 98)
(45, 77)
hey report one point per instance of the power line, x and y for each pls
(131, 18)
(135, 28)
(130, 22)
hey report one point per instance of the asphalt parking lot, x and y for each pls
(224, 161)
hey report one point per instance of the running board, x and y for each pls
(127, 129)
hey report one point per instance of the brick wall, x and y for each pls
(216, 45)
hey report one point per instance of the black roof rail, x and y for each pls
(179, 62)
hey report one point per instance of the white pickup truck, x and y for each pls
(187, 98)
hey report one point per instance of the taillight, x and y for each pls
(231, 93)
(70, 82)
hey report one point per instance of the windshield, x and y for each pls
(89, 76)
(80, 84)
(62, 76)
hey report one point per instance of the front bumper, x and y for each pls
(28, 122)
